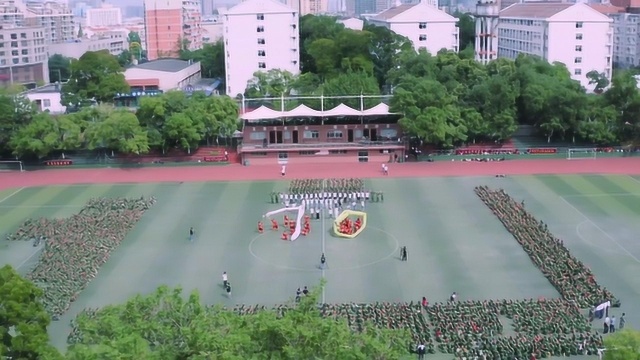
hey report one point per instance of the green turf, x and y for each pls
(455, 243)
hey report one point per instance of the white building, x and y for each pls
(259, 35)
(47, 98)
(352, 23)
(428, 27)
(164, 74)
(115, 44)
(573, 34)
(23, 56)
(104, 16)
(212, 29)
(626, 33)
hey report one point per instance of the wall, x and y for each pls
(242, 58)
(322, 130)
(164, 29)
(48, 101)
(294, 158)
(440, 36)
(596, 45)
(165, 80)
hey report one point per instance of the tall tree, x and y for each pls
(23, 319)
(97, 76)
(623, 345)
(273, 83)
(59, 68)
(169, 325)
(312, 28)
(467, 33)
(384, 47)
(211, 58)
(120, 131)
(217, 116)
(351, 84)
(38, 138)
(183, 132)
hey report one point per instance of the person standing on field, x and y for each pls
(228, 290)
(284, 170)
(191, 233)
(225, 279)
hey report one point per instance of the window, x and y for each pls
(262, 53)
(577, 72)
(258, 135)
(259, 153)
(260, 29)
(309, 152)
(577, 60)
(422, 26)
(338, 152)
(283, 155)
(363, 153)
(14, 53)
(25, 60)
(262, 65)
(46, 102)
(388, 133)
(25, 51)
(578, 36)
(579, 25)
(14, 36)
(311, 134)
(261, 42)
(334, 134)
(423, 38)
(579, 48)
(14, 44)
(260, 16)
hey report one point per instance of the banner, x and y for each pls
(542, 151)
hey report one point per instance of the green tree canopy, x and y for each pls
(97, 76)
(23, 320)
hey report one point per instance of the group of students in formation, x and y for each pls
(289, 226)
(332, 203)
(349, 227)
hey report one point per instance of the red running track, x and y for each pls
(627, 166)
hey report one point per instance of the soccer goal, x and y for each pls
(11, 165)
(582, 153)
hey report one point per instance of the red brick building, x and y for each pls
(341, 134)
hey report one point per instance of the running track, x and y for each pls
(626, 166)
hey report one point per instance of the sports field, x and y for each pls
(454, 242)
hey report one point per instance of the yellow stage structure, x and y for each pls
(345, 214)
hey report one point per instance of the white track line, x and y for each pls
(600, 195)
(634, 179)
(600, 229)
(38, 206)
(39, 247)
(10, 195)
(324, 230)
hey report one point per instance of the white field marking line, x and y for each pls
(10, 195)
(324, 230)
(589, 242)
(38, 248)
(623, 194)
(38, 206)
(602, 231)
(634, 179)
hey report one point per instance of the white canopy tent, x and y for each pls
(261, 113)
(264, 113)
(302, 111)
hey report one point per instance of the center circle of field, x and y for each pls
(371, 247)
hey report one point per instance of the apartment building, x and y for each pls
(23, 55)
(105, 16)
(626, 40)
(259, 35)
(576, 35)
(115, 44)
(56, 19)
(171, 26)
(313, 7)
(428, 27)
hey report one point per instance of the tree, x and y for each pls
(430, 112)
(211, 58)
(135, 46)
(125, 58)
(168, 325)
(467, 33)
(599, 80)
(216, 115)
(16, 111)
(23, 319)
(181, 131)
(273, 83)
(384, 47)
(59, 68)
(351, 84)
(120, 131)
(623, 345)
(313, 28)
(38, 138)
(97, 75)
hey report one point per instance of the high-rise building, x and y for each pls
(576, 35)
(172, 26)
(23, 55)
(56, 19)
(259, 35)
(313, 7)
(104, 16)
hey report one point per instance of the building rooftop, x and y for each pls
(607, 9)
(393, 12)
(164, 65)
(46, 89)
(249, 7)
(538, 10)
